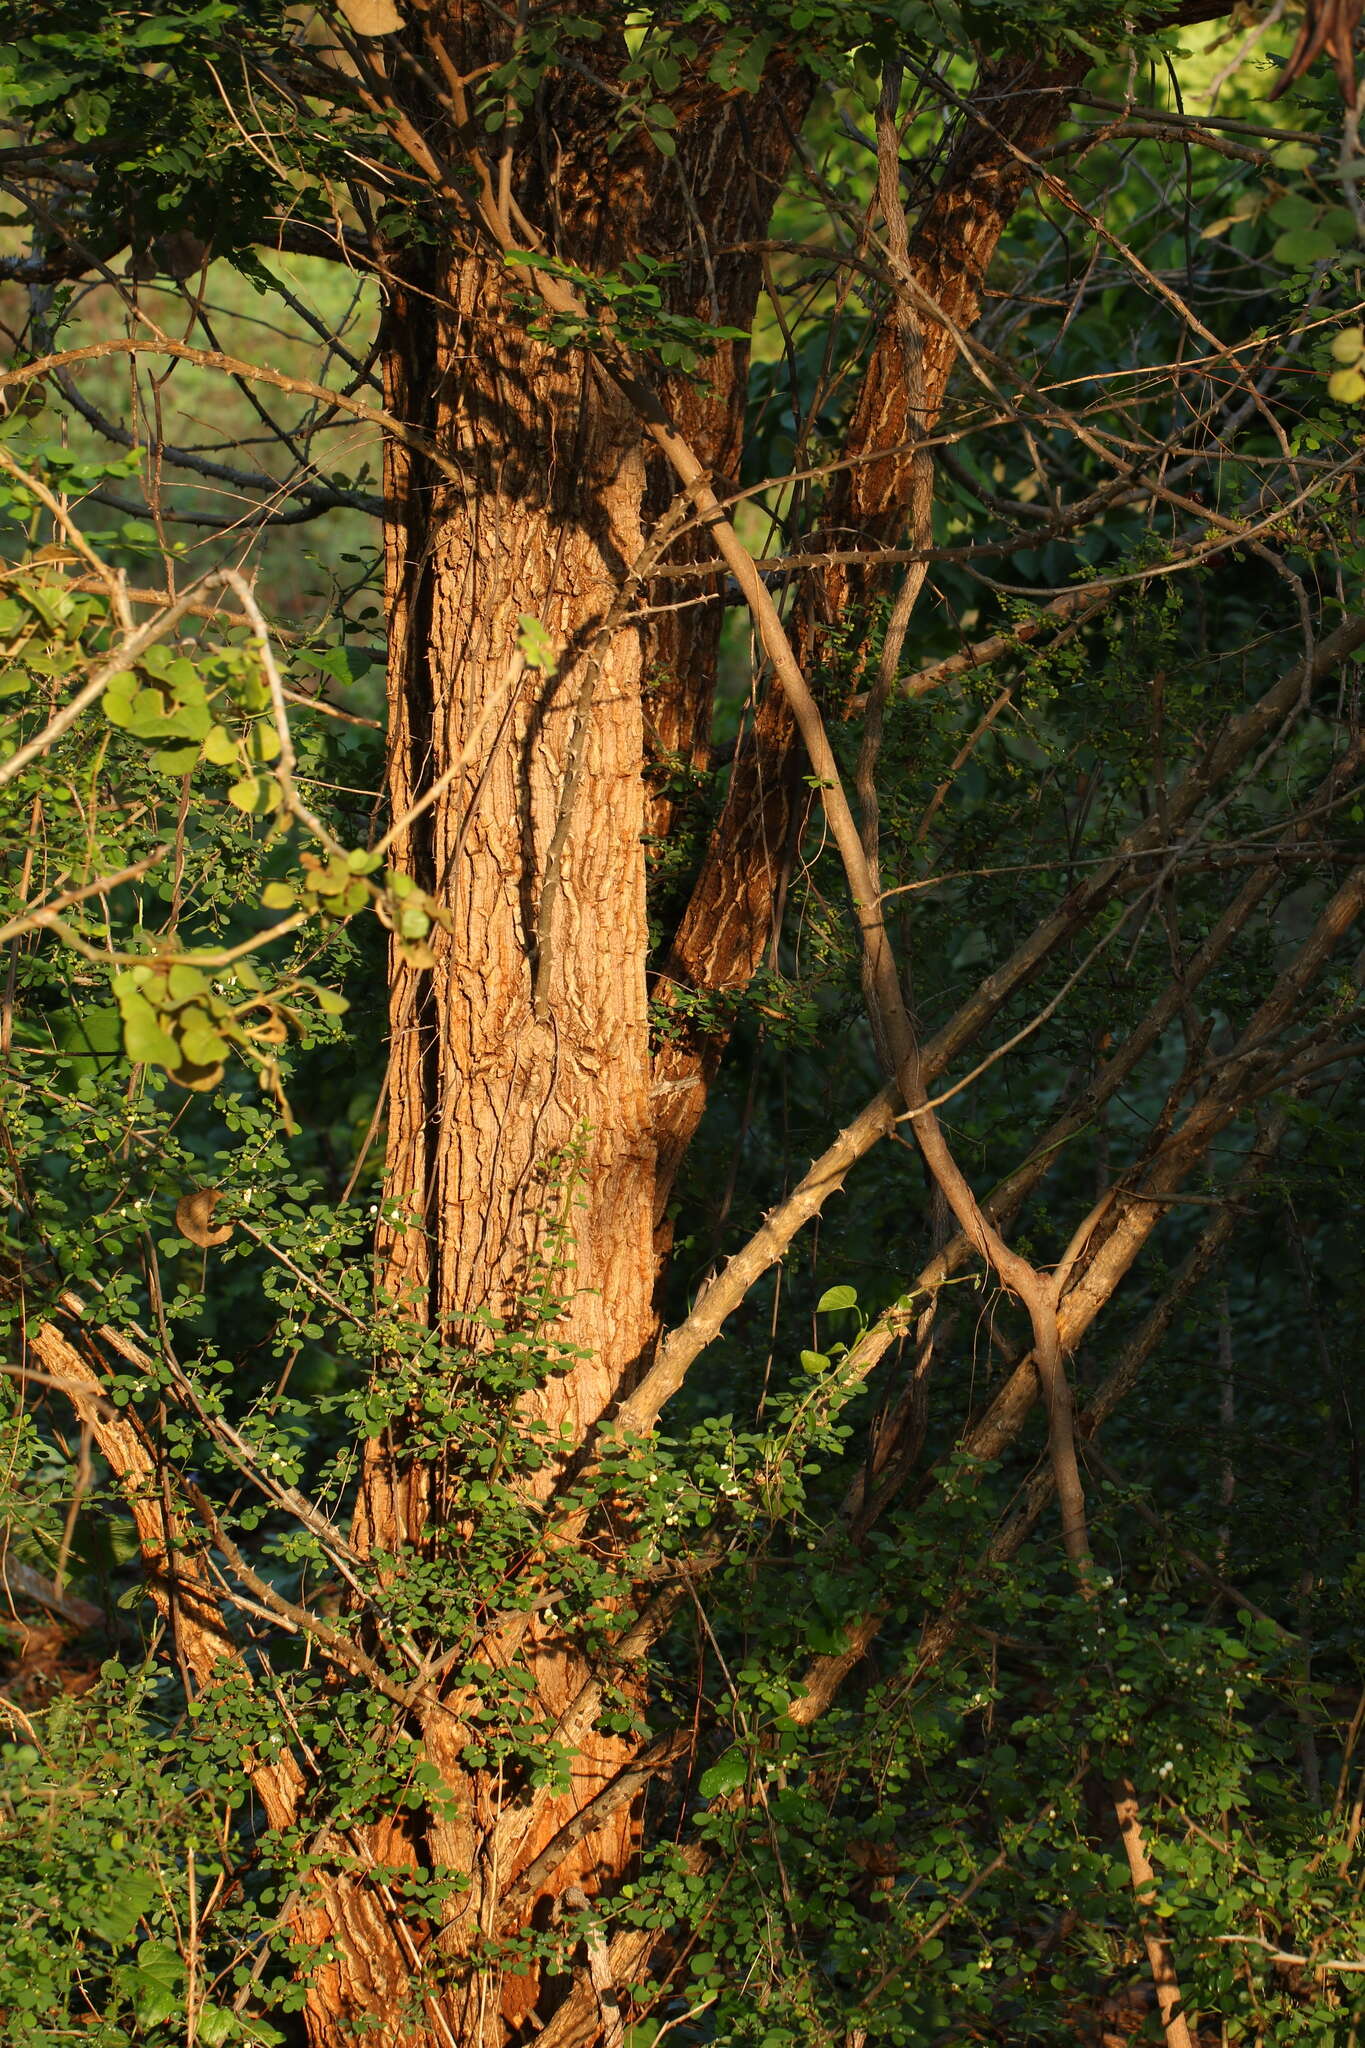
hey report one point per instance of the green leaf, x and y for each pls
(814, 1361)
(93, 1032)
(277, 896)
(215, 2024)
(537, 648)
(749, 70)
(184, 981)
(1339, 223)
(89, 113)
(119, 694)
(201, 1045)
(175, 760)
(150, 35)
(220, 747)
(118, 1912)
(1301, 248)
(1293, 210)
(836, 1298)
(155, 2003)
(333, 880)
(152, 717)
(346, 664)
(246, 794)
(145, 1038)
(159, 1963)
(725, 1774)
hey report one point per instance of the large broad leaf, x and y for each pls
(119, 1911)
(146, 1040)
(725, 1774)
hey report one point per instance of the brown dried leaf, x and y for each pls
(194, 1218)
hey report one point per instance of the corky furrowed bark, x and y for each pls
(522, 1139)
(709, 214)
(519, 1127)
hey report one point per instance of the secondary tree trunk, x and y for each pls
(722, 935)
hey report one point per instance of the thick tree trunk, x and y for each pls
(525, 1045)
(519, 1120)
(520, 1129)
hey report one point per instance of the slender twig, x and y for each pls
(1280, 1955)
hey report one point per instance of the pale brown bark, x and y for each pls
(522, 1140)
(520, 1132)
(520, 1108)
(1160, 1960)
(707, 215)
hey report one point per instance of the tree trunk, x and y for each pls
(519, 1114)
(722, 935)
(520, 1127)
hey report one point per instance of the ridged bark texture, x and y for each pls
(519, 1115)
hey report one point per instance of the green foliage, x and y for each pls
(111, 1852)
(625, 310)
